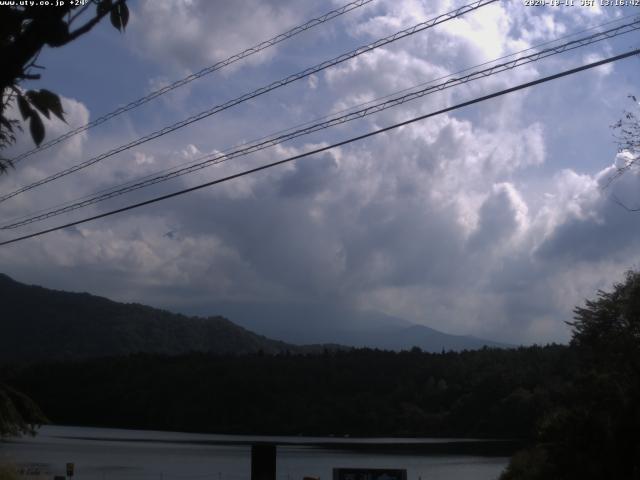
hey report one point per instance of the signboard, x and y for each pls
(33, 470)
(369, 474)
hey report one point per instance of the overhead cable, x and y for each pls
(260, 91)
(213, 159)
(205, 71)
(329, 147)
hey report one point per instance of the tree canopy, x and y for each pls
(627, 136)
(594, 431)
(24, 31)
(18, 413)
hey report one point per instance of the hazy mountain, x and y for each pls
(426, 338)
(39, 323)
(313, 323)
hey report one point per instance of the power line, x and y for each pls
(205, 71)
(348, 109)
(329, 147)
(208, 160)
(310, 122)
(260, 91)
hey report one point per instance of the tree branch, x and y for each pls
(78, 13)
(30, 76)
(91, 23)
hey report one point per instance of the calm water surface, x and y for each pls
(112, 454)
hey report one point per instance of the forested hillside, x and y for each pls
(576, 405)
(491, 392)
(38, 323)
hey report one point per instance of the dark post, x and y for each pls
(263, 461)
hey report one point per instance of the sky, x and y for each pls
(493, 220)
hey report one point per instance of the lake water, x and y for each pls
(112, 454)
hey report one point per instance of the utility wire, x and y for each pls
(260, 91)
(309, 122)
(209, 160)
(330, 147)
(344, 110)
(205, 71)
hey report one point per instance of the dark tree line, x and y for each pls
(491, 392)
(577, 405)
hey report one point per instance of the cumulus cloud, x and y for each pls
(192, 34)
(502, 216)
(465, 222)
(38, 166)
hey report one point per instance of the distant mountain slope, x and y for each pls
(425, 338)
(314, 323)
(37, 323)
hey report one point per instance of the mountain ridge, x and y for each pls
(302, 323)
(41, 323)
(44, 324)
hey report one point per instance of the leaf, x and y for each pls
(6, 123)
(116, 21)
(33, 97)
(47, 101)
(25, 109)
(5, 163)
(103, 7)
(37, 129)
(120, 15)
(124, 14)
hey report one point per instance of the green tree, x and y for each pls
(628, 130)
(594, 432)
(24, 32)
(627, 136)
(608, 328)
(19, 415)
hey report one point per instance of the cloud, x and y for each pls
(595, 226)
(192, 34)
(308, 178)
(474, 222)
(502, 215)
(604, 70)
(40, 165)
